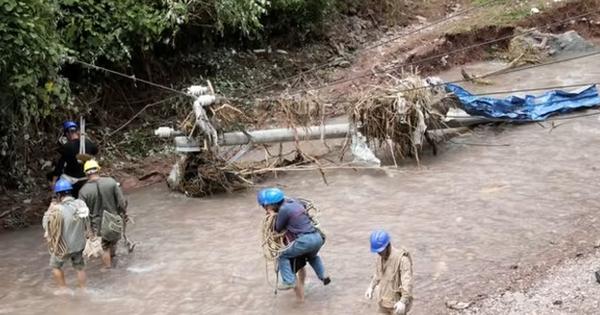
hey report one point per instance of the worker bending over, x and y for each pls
(392, 277)
(303, 237)
(108, 209)
(297, 263)
(65, 231)
(67, 166)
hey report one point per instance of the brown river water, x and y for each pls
(513, 195)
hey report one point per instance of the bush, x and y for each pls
(30, 87)
(39, 36)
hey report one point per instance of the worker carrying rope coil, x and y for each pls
(65, 232)
(290, 235)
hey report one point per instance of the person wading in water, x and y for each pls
(65, 232)
(392, 277)
(108, 209)
(304, 239)
(67, 166)
(297, 263)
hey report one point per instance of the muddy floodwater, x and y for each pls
(490, 205)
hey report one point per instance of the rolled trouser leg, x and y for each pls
(285, 269)
(385, 310)
(315, 242)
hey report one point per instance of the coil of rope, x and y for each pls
(273, 243)
(55, 242)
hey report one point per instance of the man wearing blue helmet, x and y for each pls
(303, 237)
(67, 166)
(392, 277)
(297, 263)
(65, 225)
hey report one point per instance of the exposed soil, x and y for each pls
(411, 49)
(428, 50)
(588, 28)
(569, 288)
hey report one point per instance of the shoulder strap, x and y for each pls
(99, 194)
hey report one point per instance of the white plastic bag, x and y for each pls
(93, 248)
(361, 152)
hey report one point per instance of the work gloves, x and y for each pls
(399, 308)
(369, 293)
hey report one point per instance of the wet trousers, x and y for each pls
(389, 311)
(305, 245)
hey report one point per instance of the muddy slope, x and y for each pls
(432, 59)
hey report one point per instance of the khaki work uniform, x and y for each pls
(392, 281)
(111, 199)
(74, 215)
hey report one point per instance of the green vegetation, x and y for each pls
(40, 87)
(498, 13)
(171, 42)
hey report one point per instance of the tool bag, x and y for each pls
(111, 226)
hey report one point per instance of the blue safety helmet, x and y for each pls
(273, 196)
(62, 185)
(260, 197)
(70, 126)
(380, 239)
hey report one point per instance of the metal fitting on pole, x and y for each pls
(166, 132)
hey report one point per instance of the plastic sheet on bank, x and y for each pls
(529, 107)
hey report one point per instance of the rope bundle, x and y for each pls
(273, 242)
(56, 244)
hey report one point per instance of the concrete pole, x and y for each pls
(315, 132)
(286, 134)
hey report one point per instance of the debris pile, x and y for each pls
(401, 113)
(291, 111)
(204, 174)
(209, 171)
(531, 46)
(200, 174)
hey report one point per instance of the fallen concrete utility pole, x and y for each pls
(314, 133)
(335, 131)
(209, 134)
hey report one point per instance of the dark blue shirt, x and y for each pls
(293, 216)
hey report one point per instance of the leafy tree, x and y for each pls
(39, 36)
(30, 86)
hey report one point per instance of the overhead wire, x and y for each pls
(410, 63)
(451, 52)
(516, 70)
(358, 52)
(132, 77)
(545, 64)
(135, 79)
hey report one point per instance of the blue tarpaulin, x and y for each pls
(530, 107)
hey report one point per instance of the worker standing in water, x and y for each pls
(392, 277)
(297, 263)
(67, 166)
(108, 209)
(65, 232)
(304, 239)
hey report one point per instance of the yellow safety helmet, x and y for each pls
(89, 165)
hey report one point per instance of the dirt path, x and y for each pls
(570, 288)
